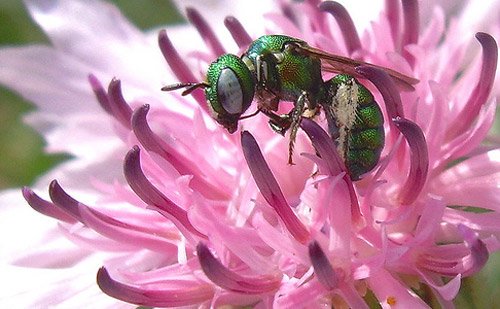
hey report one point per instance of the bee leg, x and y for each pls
(279, 123)
(296, 116)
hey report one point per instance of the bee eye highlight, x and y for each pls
(229, 92)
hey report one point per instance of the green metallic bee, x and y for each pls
(279, 68)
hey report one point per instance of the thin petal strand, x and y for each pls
(269, 187)
(154, 297)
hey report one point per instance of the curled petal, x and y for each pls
(229, 280)
(322, 267)
(193, 294)
(478, 252)
(153, 143)
(419, 160)
(239, 34)
(447, 291)
(205, 31)
(387, 88)
(64, 201)
(100, 93)
(179, 67)
(45, 207)
(124, 232)
(328, 152)
(323, 144)
(483, 87)
(150, 194)
(119, 107)
(269, 187)
(345, 23)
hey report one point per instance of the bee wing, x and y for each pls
(339, 64)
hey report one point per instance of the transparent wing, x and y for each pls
(339, 64)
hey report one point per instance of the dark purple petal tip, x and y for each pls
(229, 280)
(45, 207)
(482, 90)
(345, 23)
(324, 145)
(119, 107)
(100, 93)
(159, 297)
(149, 193)
(143, 132)
(322, 267)
(478, 251)
(205, 31)
(387, 88)
(419, 160)
(269, 188)
(238, 32)
(174, 60)
(138, 181)
(179, 66)
(153, 142)
(64, 201)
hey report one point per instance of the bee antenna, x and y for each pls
(189, 87)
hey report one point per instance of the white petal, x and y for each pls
(48, 269)
(47, 288)
(98, 35)
(55, 82)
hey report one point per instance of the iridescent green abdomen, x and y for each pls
(281, 70)
(355, 122)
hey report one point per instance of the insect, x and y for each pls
(278, 68)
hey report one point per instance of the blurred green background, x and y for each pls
(21, 149)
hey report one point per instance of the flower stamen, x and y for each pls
(384, 83)
(179, 67)
(322, 267)
(323, 144)
(419, 160)
(152, 196)
(119, 107)
(64, 201)
(482, 90)
(238, 32)
(161, 296)
(229, 280)
(100, 93)
(205, 31)
(392, 99)
(479, 254)
(346, 25)
(154, 143)
(45, 207)
(269, 187)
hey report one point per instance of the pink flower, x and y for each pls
(169, 209)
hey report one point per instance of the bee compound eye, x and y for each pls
(230, 92)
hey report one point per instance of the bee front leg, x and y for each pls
(278, 123)
(296, 116)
